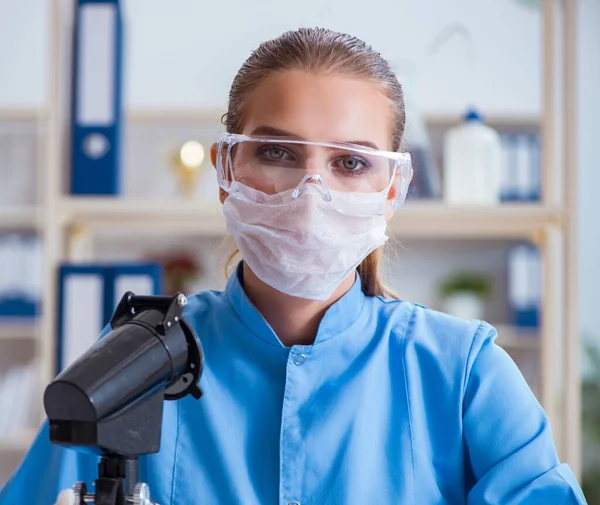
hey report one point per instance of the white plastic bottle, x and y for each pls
(472, 162)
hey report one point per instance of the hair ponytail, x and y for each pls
(371, 278)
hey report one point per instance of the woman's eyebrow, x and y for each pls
(274, 132)
(265, 130)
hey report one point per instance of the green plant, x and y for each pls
(530, 3)
(466, 282)
(590, 419)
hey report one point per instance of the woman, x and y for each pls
(320, 387)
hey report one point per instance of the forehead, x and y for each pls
(321, 107)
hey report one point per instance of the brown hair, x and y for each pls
(321, 51)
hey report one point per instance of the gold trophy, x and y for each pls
(187, 163)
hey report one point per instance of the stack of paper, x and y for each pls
(18, 145)
(18, 399)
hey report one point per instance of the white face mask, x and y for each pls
(304, 248)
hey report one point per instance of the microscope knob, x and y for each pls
(181, 300)
(80, 492)
(141, 494)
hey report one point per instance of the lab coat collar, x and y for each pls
(338, 319)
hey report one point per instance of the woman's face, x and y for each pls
(313, 106)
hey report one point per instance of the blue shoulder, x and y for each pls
(434, 341)
(201, 302)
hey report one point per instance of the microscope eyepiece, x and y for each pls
(110, 399)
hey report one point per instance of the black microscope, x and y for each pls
(110, 400)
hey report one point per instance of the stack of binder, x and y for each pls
(525, 285)
(520, 168)
(88, 296)
(21, 259)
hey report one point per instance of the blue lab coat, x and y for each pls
(392, 404)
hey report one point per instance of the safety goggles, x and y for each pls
(353, 179)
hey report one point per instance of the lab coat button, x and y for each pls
(298, 360)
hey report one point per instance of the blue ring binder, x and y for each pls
(108, 275)
(96, 112)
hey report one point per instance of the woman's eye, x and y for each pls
(273, 153)
(352, 164)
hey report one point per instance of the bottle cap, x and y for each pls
(472, 115)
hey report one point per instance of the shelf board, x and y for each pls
(19, 217)
(20, 113)
(438, 220)
(176, 216)
(17, 329)
(19, 442)
(513, 338)
(496, 120)
(213, 113)
(422, 219)
(139, 115)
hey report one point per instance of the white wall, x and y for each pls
(23, 57)
(185, 54)
(589, 164)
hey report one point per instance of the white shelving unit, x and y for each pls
(415, 219)
(551, 224)
(20, 337)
